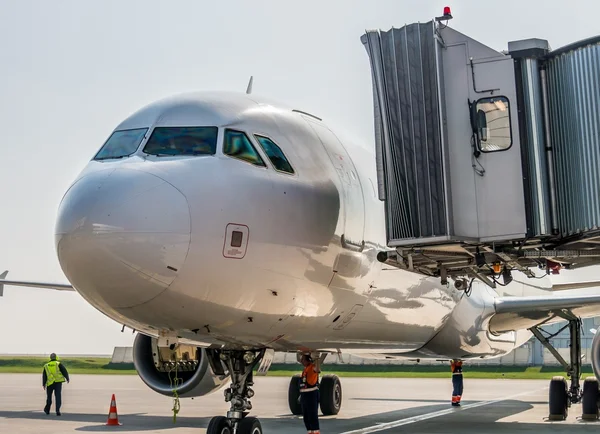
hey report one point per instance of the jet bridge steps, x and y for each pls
(487, 161)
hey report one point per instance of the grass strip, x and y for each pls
(82, 365)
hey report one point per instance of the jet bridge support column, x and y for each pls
(562, 397)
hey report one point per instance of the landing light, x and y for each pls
(248, 357)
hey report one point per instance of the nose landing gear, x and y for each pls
(240, 365)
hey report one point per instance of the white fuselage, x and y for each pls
(147, 240)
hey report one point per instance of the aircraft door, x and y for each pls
(351, 194)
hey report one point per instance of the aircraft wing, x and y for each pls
(519, 313)
(55, 286)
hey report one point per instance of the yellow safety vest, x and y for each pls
(53, 373)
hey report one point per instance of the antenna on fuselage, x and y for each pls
(249, 88)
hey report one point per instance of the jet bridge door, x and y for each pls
(487, 179)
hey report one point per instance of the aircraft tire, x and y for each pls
(219, 425)
(589, 399)
(249, 425)
(331, 395)
(558, 399)
(294, 395)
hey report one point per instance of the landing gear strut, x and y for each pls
(561, 396)
(240, 365)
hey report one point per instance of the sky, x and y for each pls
(72, 70)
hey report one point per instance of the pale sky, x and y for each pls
(72, 70)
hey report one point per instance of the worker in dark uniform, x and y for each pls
(309, 395)
(457, 381)
(53, 376)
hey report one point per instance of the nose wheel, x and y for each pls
(222, 425)
(240, 365)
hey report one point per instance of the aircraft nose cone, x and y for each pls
(121, 236)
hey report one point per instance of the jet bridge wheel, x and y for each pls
(589, 403)
(331, 395)
(561, 396)
(294, 395)
(559, 399)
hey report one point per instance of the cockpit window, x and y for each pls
(121, 144)
(238, 145)
(182, 141)
(275, 154)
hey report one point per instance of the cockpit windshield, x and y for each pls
(182, 141)
(121, 144)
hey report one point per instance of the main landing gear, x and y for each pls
(562, 396)
(330, 393)
(239, 366)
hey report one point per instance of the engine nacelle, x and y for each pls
(595, 353)
(195, 376)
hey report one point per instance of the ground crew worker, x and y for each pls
(457, 381)
(309, 395)
(53, 376)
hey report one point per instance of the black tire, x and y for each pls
(249, 425)
(219, 425)
(558, 399)
(294, 395)
(589, 399)
(331, 395)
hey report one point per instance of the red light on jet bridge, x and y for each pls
(447, 11)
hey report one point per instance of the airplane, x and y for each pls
(225, 226)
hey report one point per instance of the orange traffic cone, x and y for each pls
(113, 417)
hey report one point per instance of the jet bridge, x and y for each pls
(487, 161)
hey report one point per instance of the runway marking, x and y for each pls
(422, 417)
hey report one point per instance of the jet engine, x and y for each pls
(185, 368)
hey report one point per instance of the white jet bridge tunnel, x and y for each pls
(487, 161)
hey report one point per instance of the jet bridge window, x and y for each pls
(275, 154)
(491, 124)
(166, 141)
(121, 144)
(238, 145)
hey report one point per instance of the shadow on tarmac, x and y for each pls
(475, 420)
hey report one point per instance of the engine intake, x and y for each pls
(595, 353)
(190, 373)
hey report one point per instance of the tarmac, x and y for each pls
(369, 405)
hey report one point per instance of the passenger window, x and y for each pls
(491, 124)
(238, 145)
(275, 154)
